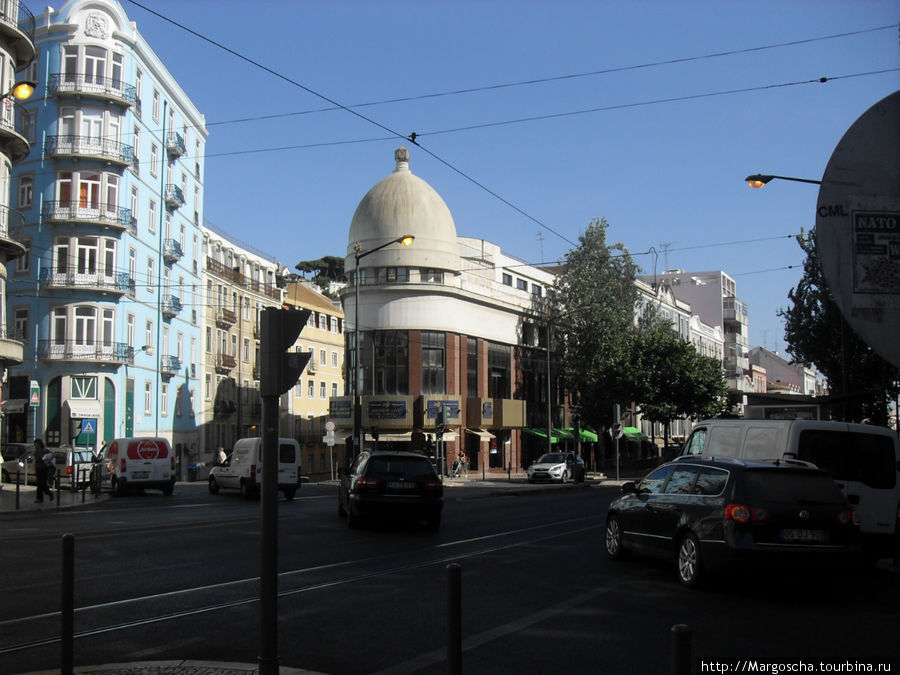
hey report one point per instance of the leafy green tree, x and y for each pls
(324, 270)
(592, 312)
(676, 381)
(861, 383)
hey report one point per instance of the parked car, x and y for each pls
(709, 514)
(391, 485)
(9, 453)
(863, 459)
(125, 464)
(557, 466)
(242, 470)
(69, 463)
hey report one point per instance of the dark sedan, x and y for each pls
(714, 513)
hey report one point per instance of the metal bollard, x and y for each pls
(454, 619)
(681, 649)
(18, 487)
(67, 606)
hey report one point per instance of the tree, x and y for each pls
(593, 309)
(862, 383)
(676, 381)
(325, 270)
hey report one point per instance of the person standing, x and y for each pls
(221, 456)
(463, 463)
(41, 471)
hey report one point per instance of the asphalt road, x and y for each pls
(176, 577)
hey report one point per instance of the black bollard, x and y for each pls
(18, 488)
(681, 649)
(454, 619)
(67, 605)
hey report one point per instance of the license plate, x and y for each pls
(803, 535)
(400, 485)
(138, 475)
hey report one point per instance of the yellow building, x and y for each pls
(304, 409)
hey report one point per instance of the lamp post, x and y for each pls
(758, 180)
(359, 254)
(20, 90)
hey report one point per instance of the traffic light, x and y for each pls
(280, 366)
(439, 420)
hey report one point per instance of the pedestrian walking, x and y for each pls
(463, 463)
(41, 472)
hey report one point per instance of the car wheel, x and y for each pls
(565, 476)
(118, 487)
(169, 489)
(289, 495)
(246, 493)
(614, 548)
(213, 486)
(689, 564)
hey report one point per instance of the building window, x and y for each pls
(471, 367)
(334, 389)
(21, 323)
(537, 290)
(334, 360)
(498, 371)
(207, 385)
(151, 217)
(164, 399)
(321, 390)
(310, 389)
(23, 262)
(26, 192)
(154, 157)
(334, 324)
(431, 276)
(433, 362)
(507, 279)
(156, 105)
(521, 284)
(391, 361)
(323, 357)
(148, 333)
(150, 274)
(148, 397)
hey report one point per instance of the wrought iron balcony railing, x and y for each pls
(16, 125)
(85, 350)
(113, 282)
(235, 276)
(225, 316)
(175, 144)
(16, 334)
(15, 17)
(225, 361)
(169, 366)
(77, 84)
(174, 196)
(12, 224)
(171, 306)
(90, 147)
(172, 251)
(78, 211)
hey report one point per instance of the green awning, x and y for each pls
(542, 433)
(634, 432)
(584, 435)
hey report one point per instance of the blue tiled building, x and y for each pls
(107, 292)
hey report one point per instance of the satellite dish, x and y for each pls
(858, 227)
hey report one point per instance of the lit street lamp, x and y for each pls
(359, 254)
(758, 180)
(20, 90)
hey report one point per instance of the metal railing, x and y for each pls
(224, 315)
(175, 144)
(235, 276)
(16, 334)
(171, 306)
(225, 361)
(14, 13)
(172, 251)
(76, 211)
(174, 196)
(52, 277)
(78, 350)
(17, 119)
(88, 146)
(92, 85)
(12, 223)
(170, 365)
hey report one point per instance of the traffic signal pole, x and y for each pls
(280, 370)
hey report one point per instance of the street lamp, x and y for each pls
(758, 180)
(359, 254)
(20, 90)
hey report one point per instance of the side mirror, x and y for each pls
(628, 487)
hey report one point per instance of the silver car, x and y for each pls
(557, 466)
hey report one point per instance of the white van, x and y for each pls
(864, 460)
(126, 464)
(243, 468)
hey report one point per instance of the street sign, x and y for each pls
(329, 426)
(35, 396)
(89, 427)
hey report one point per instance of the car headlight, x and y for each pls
(556, 470)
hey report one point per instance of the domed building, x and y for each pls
(442, 322)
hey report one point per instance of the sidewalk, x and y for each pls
(62, 499)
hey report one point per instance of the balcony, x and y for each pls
(225, 362)
(734, 310)
(105, 215)
(12, 345)
(88, 147)
(54, 278)
(12, 224)
(170, 307)
(17, 31)
(174, 196)
(175, 145)
(169, 366)
(235, 276)
(16, 127)
(256, 371)
(225, 317)
(172, 251)
(91, 86)
(116, 353)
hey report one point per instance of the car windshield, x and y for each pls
(795, 487)
(408, 468)
(552, 458)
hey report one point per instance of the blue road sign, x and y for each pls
(88, 427)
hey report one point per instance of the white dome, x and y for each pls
(399, 205)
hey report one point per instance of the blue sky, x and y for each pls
(662, 154)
